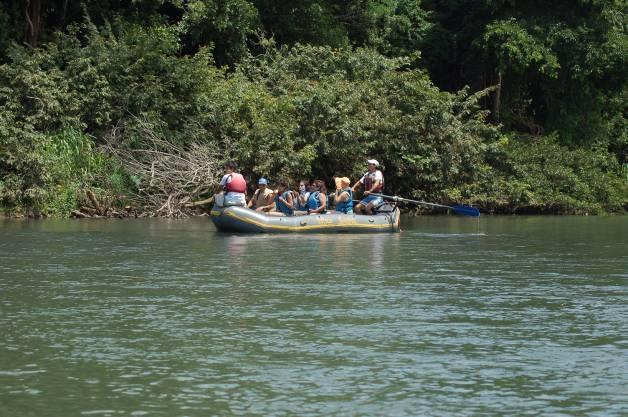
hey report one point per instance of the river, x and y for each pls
(451, 317)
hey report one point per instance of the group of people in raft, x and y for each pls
(311, 198)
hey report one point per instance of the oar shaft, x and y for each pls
(464, 210)
(395, 198)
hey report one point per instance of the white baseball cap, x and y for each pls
(373, 161)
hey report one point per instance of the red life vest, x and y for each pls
(369, 179)
(237, 184)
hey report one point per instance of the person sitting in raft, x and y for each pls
(373, 182)
(300, 198)
(262, 199)
(344, 195)
(304, 194)
(284, 203)
(317, 201)
(232, 187)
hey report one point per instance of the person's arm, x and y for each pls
(357, 184)
(267, 207)
(376, 184)
(289, 202)
(270, 201)
(252, 200)
(223, 183)
(303, 198)
(323, 207)
(270, 198)
(342, 196)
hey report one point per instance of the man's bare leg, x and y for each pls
(275, 214)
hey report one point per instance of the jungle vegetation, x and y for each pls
(513, 106)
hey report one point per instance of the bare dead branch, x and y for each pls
(168, 176)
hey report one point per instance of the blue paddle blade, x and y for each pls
(466, 211)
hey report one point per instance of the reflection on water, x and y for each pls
(454, 316)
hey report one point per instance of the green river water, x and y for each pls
(452, 317)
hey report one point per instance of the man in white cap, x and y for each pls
(373, 182)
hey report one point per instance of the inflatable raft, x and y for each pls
(244, 220)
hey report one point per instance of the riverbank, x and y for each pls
(275, 120)
(132, 213)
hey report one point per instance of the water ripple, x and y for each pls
(493, 317)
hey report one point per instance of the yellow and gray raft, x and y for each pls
(243, 220)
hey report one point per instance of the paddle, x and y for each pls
(462, 210)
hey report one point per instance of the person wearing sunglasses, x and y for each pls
(303, 195)
(300, 197)
(373, 182)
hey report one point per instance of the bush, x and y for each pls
(74, 165)
(537, 174)
(305, 111)
(348, 105)
(89, 81)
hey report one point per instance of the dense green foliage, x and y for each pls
(311, 88)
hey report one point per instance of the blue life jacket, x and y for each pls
(314, 200)
(281, 206)
(346, 207)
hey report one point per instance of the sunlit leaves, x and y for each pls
(515, 49)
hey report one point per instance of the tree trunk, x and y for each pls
(33, 17)
(63, 14)
(498, 96)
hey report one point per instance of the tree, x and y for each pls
(305, 21)
(226, 25)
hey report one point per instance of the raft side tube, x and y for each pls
(244, 220)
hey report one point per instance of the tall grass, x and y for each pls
(75, 164)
